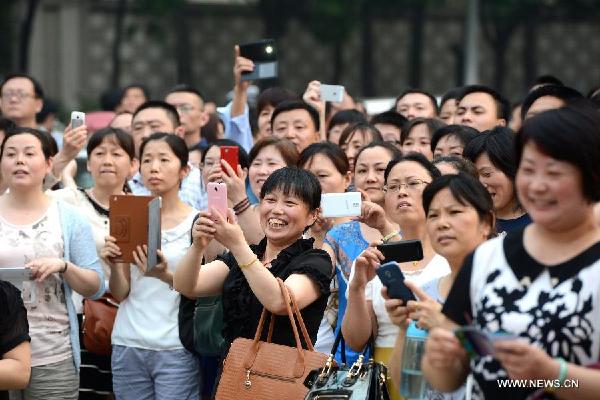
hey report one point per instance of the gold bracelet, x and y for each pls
(242, 266)
(387, 237)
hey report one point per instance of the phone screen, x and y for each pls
(402, 251)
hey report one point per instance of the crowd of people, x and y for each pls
(504, 201)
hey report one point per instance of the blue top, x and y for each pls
(79, 249)
(503, 226)
(238, 127)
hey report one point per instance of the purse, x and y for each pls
(98, 320)
(208, 326)
(363, 380)
(255, 370)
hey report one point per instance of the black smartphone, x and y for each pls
(393, 279)
(402, 251)
(264, 55)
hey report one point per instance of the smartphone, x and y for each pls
(393, 279)
(332, 93)
(341, 204)
(217, 197)
(230, 154)
(402, 251)
(77, 119)
(264, 55)
(478, 342)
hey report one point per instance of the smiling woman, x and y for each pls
(246, 275)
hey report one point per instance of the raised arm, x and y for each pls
(359, 310)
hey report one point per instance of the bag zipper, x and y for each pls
(248, 382)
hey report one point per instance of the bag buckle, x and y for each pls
(247, 382)
(326, 369)
(355, 369)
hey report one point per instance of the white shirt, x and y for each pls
(148, 317)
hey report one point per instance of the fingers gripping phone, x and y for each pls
(264, 55)
(393, 279)
(402, 251)
(332, 93)
(230, 155)
(478, 342)
(77, 119)
(217, 197)
(341, 204)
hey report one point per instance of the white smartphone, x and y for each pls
(77, 119)
(341, 204)
(332, 93)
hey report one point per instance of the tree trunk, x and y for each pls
(416, 46)
(367, 71)
(338, 62)
(116, 48)
(26, 30)
(182, 46)
(529, 49)
(500, 46)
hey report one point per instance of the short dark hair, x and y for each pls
(547, 79)
(452, 94)
(460, 163)
(332, 151)
(391, 118)
(393, 150)
(419, 91)
(293, 181)
(345, 117)
(499, 145)
(362, 127)
(176, 144)
(110, 99)
(121, 138)
(461, 132)
(242, 154)
(502, 105)
(185, 88)
(37, 87)
(467, 190)
(49, 107)
(166, 107)
(289, 105)
(415, 157)
(143, 88)
(288, 151)
(570, 134)
(561, 92)
(273, 96)
(45, 139)
(432, 124)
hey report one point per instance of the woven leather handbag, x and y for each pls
(363, 380)
(255, 370)
(98, 320)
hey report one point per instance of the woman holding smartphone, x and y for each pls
(539, 283)
(460, 216)
(246, 275)
(405, 180)
(148, 358)
(53, 240)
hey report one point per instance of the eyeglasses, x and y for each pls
(412, 185)
(184, 108)
(19, 94)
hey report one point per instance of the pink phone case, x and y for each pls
(217, 197)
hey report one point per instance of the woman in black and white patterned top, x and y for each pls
(541, 283)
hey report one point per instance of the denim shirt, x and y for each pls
(79, 249)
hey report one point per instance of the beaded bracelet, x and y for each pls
(387, 237)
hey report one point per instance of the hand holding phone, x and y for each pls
(393, 279)
(264, 56)
(77, 119)
(477, 342)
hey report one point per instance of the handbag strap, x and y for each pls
(339, 340)
(300, 320)
(300, 365)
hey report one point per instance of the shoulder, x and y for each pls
(69, 212)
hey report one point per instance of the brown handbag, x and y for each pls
(255, 370)
(98, 320)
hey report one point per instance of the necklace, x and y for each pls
(90, 192)
(414, 271)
